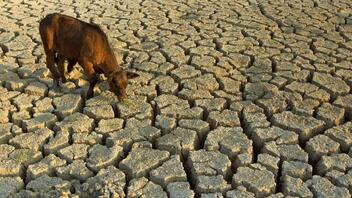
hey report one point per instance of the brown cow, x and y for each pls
(67, 38)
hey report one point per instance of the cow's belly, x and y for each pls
(68, 52)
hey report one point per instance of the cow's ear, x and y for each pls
(131, 75)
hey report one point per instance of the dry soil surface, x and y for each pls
(245, 98)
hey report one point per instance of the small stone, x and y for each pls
(297, 169)
(278, 195)
(10, 167)
(33, 141)
(9, 95)
(127, 136)
(262, 135)
(109, 125)
(333, 85)
(226, 118)
(165, 85)
(43, 105)
(172, 106)
(99, 112)
(39, 121)
(322, 187)
(301, 87)
(25, 156)
(135, 123)
(74, 152)
(259, 182)
(179, 189)
(243, 159)
(10, 185)
(279, 81)
(87, 138)
(191, 113)
(76, 170)
(200, 126)
(211, 184)
(16, 84)
(340, 179)
(60, 140)
(320, 95)
(270, 162)
(165, 123)
(214, 104)
(5, 133)
(306, 127)
(272, 105)
(192, 95)
(179, 141)
(141, 187)
(67, 104)
(346, 103)
(203, 82)
(170, 171)
(16, 130)
(295, 187)
(46, 183)
(142, 144)
(321, 145)
(18, 117)
(204, 162)
(75, 123)
(286, 152)
(45, 167)
(36, 88)
(254, 120)
(101, 156)
(341, 134)
(108, 181)
(227, 96)
(4, 116)
(104, 98)
(5, 150)
(141, 161)
(229, 141)
(332, 115)
(138, 107)
(211, 195)
(305, 107)
(184, 72)
(254, 91)
(340, 162)
(229, 85)
(239, 192)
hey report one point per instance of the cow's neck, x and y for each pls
(111, 65)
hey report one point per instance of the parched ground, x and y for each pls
(245, 98)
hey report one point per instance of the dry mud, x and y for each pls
(247, 98)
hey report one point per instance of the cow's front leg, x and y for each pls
(61, 66)
(93, 77)
(50, 64)
(92, 82)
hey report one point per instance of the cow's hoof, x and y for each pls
(56, 83)
(89, 95)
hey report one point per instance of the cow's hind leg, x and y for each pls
(70, 65)
(61, 66)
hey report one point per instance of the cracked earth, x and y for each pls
(247, 98)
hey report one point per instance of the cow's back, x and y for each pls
(73, 38)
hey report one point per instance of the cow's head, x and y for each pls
(118, 82)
